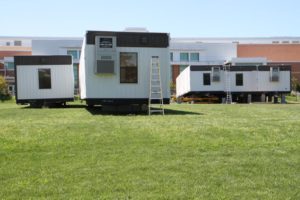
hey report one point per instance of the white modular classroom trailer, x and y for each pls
(44, 79)
(115, 67)
(256, 81)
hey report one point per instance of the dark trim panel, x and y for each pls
(240, 68)
(26, 101)
(222, 93)
(43, 60)
(16, 81)
(204, 67)
(132, 39)
(122, 101)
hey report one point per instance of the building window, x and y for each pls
(17, 43)
(274, 74)
(239, 81)
(76, 79)
(182, 67)
(206, 79)
(195, 57)
(7, 43)
(184, 57)
(171, 56)
(9, 65)
(73, 53)
(44, 78)
(128, 67)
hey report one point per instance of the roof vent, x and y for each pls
(136, 29)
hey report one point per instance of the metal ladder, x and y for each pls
(228, 99)
(155, 92)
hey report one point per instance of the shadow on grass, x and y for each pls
(99, 111)
(56, 106)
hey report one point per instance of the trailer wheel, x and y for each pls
(90, 105)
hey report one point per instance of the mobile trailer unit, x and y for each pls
(256, 81)
(115, 67)
(44, 79)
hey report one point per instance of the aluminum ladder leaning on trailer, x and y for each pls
(155, 91)
(227, 78)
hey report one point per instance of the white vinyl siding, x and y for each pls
(62, 82)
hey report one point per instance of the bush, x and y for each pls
(298, 87)
(4, 95)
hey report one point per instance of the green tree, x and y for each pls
(295, 83)
(3, 89)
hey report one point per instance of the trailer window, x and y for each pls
(239, 81)
(128, 67)
(44, 78)
(206, 79)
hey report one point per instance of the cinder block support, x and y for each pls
(283, 100)
(263, 97)
(249, 99)
(270, 98)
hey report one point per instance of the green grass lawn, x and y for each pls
(194, 152)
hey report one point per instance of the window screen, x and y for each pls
(44, 78)
(128, 67)
(206, 79)
(239, 80)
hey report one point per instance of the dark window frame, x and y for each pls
(127, 69)
(206, 79)
(239, 79)
(44, 81)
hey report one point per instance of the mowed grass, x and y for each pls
(194, 152)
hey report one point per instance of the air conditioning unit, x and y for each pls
(274, 78)
(216, 78)
(105, 55)
(274, 74)
(216, 74)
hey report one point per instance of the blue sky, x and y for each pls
(181, 18)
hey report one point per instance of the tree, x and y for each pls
(295, 84)
(3, 89)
